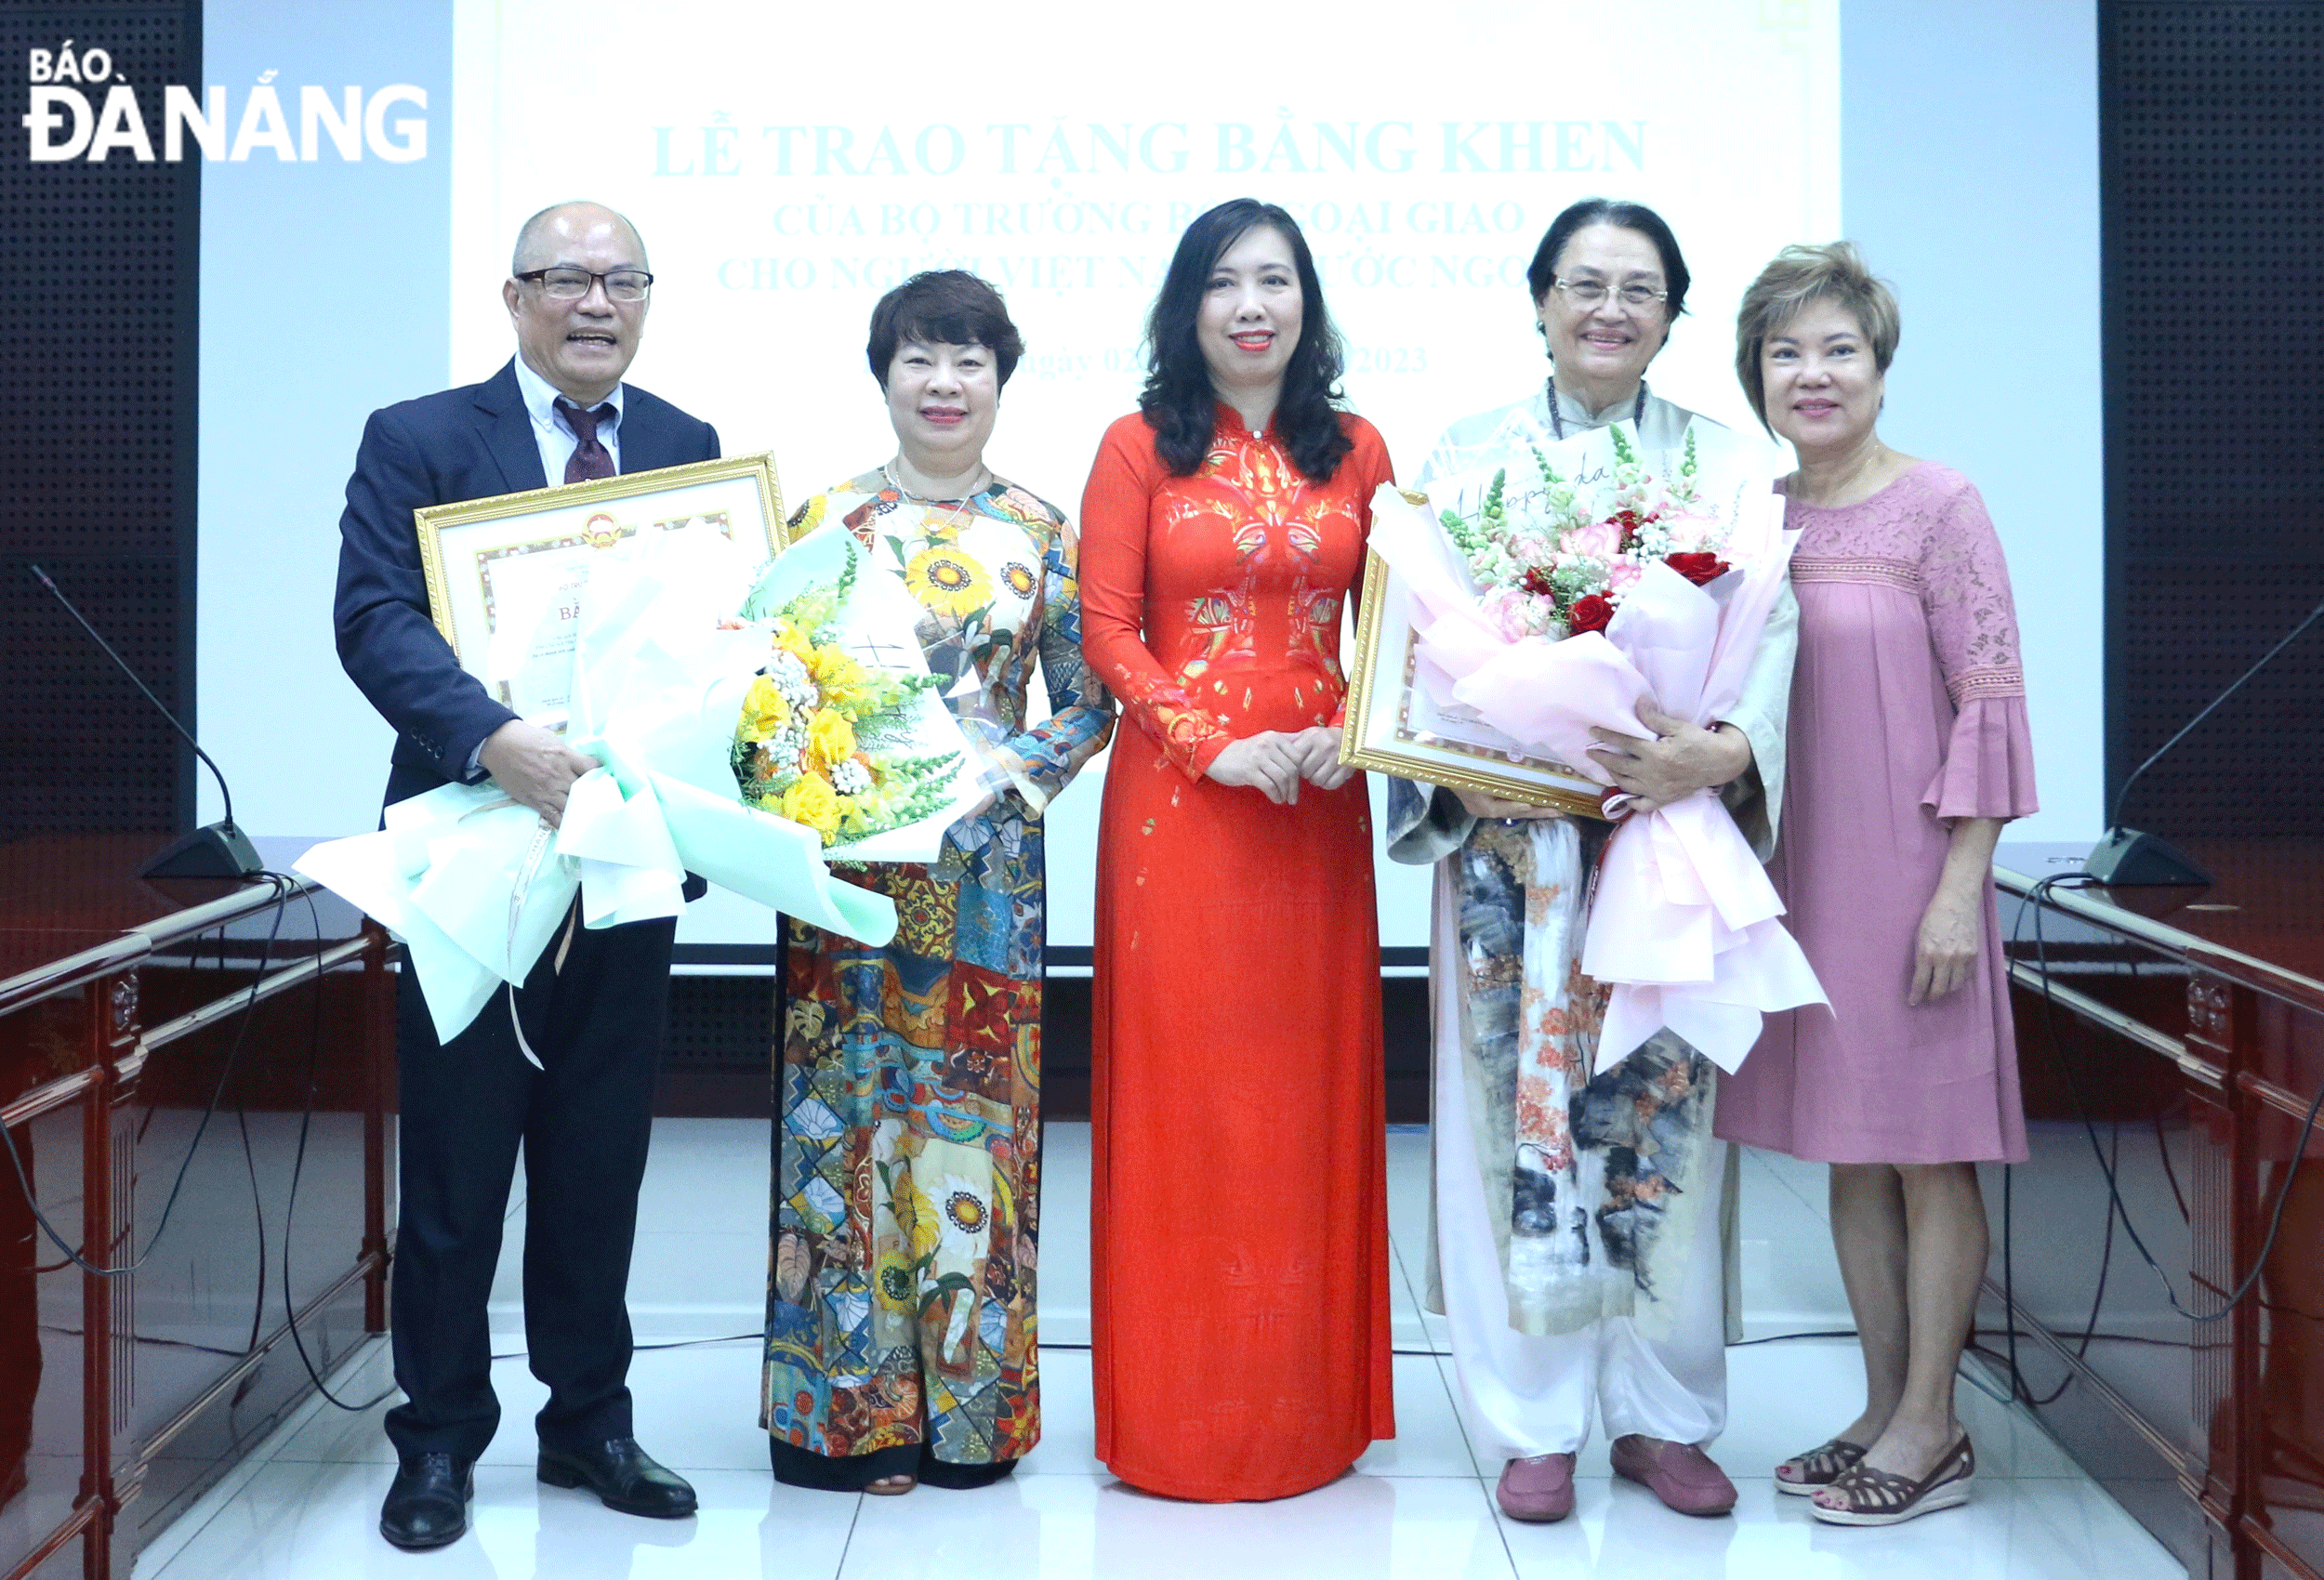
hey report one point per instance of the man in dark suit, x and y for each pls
(593, 1010)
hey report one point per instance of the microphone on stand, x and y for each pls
(2126, 858)
(217, 849)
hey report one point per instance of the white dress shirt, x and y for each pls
(553, 433)
(557, 442)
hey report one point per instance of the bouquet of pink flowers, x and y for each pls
(1610, 588)
(1560, 563)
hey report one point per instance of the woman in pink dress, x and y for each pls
(1908, 751)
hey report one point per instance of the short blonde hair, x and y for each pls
(1834, 272)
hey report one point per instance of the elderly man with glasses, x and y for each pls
(592, 1011)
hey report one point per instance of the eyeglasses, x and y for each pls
(1588, 293)
(572, 284)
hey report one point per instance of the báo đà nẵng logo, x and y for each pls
(79, 110)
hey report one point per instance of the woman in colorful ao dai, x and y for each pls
(900, 1344)
(1579, 1221)
(1911, 750)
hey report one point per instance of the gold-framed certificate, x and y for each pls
(505, 572)
(1396, 726)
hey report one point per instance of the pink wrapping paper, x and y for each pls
(1686, 928)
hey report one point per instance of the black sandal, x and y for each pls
(1819, 1466)
(1883, 1497)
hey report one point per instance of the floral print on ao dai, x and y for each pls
(906, 1211)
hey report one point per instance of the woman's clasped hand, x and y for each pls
(1680, 759)
(1275, 762)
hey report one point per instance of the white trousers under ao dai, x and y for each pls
(1523, 1394)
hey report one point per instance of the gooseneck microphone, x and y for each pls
(217, 849)
(2126, 858)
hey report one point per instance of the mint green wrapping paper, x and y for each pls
(476, 887)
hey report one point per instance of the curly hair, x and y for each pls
(1180, 402)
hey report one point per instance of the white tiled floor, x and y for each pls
(306, 1503)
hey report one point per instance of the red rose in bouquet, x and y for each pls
(1591, 614)
(1697, 568)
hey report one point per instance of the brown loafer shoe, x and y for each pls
(1539, 1490)
(1679, 1473)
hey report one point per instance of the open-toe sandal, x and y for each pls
(1883, 1497)
(1818, 1467)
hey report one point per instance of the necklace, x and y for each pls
(1557, 422)
(956, 511)
(888, 470)
(1872, 460)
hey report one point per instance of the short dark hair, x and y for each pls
(1541, 274)
(1178, 401)
(947, 307)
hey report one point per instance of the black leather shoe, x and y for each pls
(426, 1505)
(624, 1476)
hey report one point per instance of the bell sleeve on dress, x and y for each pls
(1987, 770)
(1081, 713)
(1116, 506)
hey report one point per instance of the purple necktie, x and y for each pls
(591, 459)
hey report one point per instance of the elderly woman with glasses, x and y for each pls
(1579, 1221)
(1911, 750)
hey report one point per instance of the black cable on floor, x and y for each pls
(2033, 901)
(299, 1167)
(1785, 1337)
(2115, 1204)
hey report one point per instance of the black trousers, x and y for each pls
(583, 1120)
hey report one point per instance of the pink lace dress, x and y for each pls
(1908, 708)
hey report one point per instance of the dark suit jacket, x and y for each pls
(465, 443)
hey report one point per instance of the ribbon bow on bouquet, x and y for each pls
(1685, 926)
(477, 886)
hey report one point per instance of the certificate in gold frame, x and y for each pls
(501, 571)
(1384, 719)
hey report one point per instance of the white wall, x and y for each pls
(1969, 175)
(323, 296)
